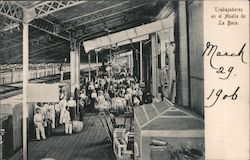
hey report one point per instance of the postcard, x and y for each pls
(124, 80)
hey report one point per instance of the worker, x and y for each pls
(47, 119)
(93, 100)
(62, 94)
(38, 121)
(52, 115)
(57, 114)
(62, 104)
(72, 107)
(81, 108)
(67, 121)
(101, 101)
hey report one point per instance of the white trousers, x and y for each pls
(39, 129)
(61, 116)
(53, 125)
(68, 128)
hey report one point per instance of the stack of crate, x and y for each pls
(120, 145)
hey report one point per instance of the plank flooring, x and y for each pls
(90, 144)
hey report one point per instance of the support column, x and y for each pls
(25, 84)
(131, 63)
(183, 73)
(89, 67)
(77, 59)
(72, 71)
(97, 68)
(128, 57)
(154, 65)
(141, 76)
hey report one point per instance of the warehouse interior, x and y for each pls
(159, 42)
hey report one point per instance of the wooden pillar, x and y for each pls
(72, 71)
(141, 50)
(77, 74)
(25, 84)
(183, 71)
(97, 61)
(89, 67)
(131, 63)
(128, 57)
(154, 65)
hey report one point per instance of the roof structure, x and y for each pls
(54, 23)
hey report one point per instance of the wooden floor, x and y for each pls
(90, 144)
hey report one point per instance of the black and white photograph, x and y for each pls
(102, 80)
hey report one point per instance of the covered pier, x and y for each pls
(106, 59)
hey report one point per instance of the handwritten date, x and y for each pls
(216, 95)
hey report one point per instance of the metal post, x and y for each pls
(129, 63)
(132, 63)
(141, 61)
(89, 68)
(97, 68)
(77, 57)
(72, 71)
(183, 72)
(154, 65)
(25, 83)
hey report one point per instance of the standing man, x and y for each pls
(62, 104)
(38, 121)
(67, 121)
(72, 107)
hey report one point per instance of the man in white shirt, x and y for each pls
(38, 121)
(62, 104)
(72, 107)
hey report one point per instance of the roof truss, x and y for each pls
(11, 10)
(49, 7)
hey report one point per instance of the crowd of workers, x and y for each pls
(118, 92)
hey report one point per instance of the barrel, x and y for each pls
(77, 126)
